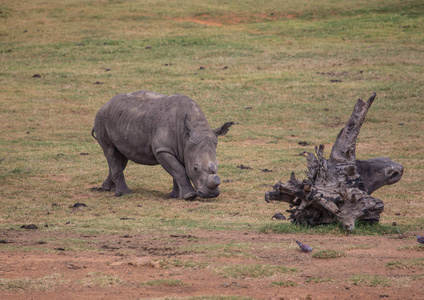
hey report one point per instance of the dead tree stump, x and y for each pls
(338, 189)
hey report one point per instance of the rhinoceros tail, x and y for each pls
(92, 133)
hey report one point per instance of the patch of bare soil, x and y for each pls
(206, 19)
(152, 266)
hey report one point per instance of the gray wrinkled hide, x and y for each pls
(149, 129)
(378, 172)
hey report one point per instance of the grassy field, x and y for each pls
(285, 71)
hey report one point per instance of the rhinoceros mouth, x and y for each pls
(208, 194)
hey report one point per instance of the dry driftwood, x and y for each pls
(338, 189)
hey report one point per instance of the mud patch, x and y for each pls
(149, 265)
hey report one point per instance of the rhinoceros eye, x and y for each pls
(195, 169)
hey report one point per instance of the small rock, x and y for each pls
(73, 267)
(394, 224)
(148, 47)
(303, 143)
(127, 236)
(36, 76)
(202, 68)
(143, 262)
(278, 216)
(267, 170)
(83, 153)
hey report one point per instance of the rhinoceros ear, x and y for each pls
(223, 129)
(188, 127)
(191, 131)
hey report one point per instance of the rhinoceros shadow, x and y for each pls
(143, 192)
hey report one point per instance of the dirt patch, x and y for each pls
(203, 22)
(194, 264)
(221, 20)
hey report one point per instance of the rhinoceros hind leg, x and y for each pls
(117, 163)
(108, 184)
(121, 185)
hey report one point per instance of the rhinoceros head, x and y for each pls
(200, 158)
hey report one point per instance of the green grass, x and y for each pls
(162, 282)
(359, 246)
(253, 271)
(414, 263)
(371, 280)
(284, 283)
(327, 254)
(318, 280)
(413, 247)
(336, 229)
(277, 58)
(97, 279)
(46, 283)
(185, 264)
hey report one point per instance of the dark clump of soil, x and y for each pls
(30, 226)
(243, 167)
(78, 204)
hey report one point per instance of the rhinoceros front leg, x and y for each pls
(182, 187)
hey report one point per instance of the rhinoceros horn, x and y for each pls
(213, 180)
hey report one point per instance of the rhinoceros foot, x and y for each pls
(187, 196)
(108, 184)
(190, 196)
(119, 193)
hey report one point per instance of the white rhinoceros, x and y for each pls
(149, 129)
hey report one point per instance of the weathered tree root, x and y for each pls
(339, 189)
